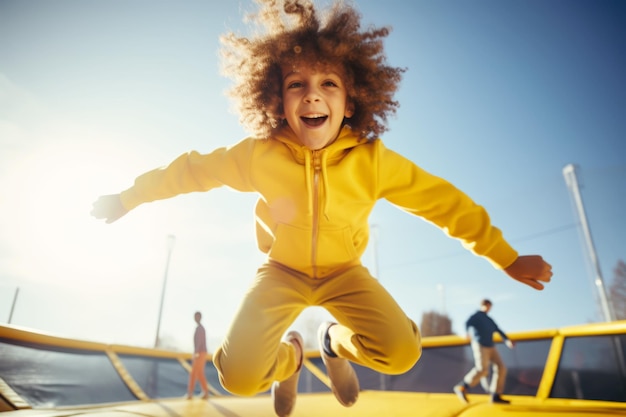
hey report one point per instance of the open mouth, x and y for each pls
(313, 120)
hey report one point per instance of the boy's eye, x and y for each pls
(330, 83)
(294, 84)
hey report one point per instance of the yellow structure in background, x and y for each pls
(575, 371)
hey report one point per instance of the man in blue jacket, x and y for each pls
(480, 329)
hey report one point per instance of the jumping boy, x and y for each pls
(316, 95)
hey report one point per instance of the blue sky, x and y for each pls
(498, 97)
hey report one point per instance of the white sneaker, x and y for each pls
(343, 380)
(285, 392)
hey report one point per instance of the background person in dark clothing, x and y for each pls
(480, 329)
(199, 360)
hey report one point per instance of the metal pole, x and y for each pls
(17, 290)
(170, 246)
(569, 172)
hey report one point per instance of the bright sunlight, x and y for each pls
(54, 237)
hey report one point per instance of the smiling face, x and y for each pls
(315, 103)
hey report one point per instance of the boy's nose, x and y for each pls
(311, 95)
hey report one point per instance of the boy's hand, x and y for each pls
(108, 207)
(509, 343)
(531, 270)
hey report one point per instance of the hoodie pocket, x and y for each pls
(293, 247)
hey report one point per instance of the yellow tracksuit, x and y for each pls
(312, 222)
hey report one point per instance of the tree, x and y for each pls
(617, 290)
(435, 324)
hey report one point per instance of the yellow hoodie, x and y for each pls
(313, 207)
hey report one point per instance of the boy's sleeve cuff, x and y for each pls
(129, 199)
(502, 256)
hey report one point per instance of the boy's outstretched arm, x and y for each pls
(108, 207)
(531, 270)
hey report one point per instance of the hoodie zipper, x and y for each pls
(317, 168)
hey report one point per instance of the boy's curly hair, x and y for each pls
(294, 33)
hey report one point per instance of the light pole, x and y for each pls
(17, 291)
(170, 246)
(569, 172)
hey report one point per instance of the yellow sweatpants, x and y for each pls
(373, 330)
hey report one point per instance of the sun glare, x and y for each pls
(53, 235)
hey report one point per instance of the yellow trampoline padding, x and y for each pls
(370, 404)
